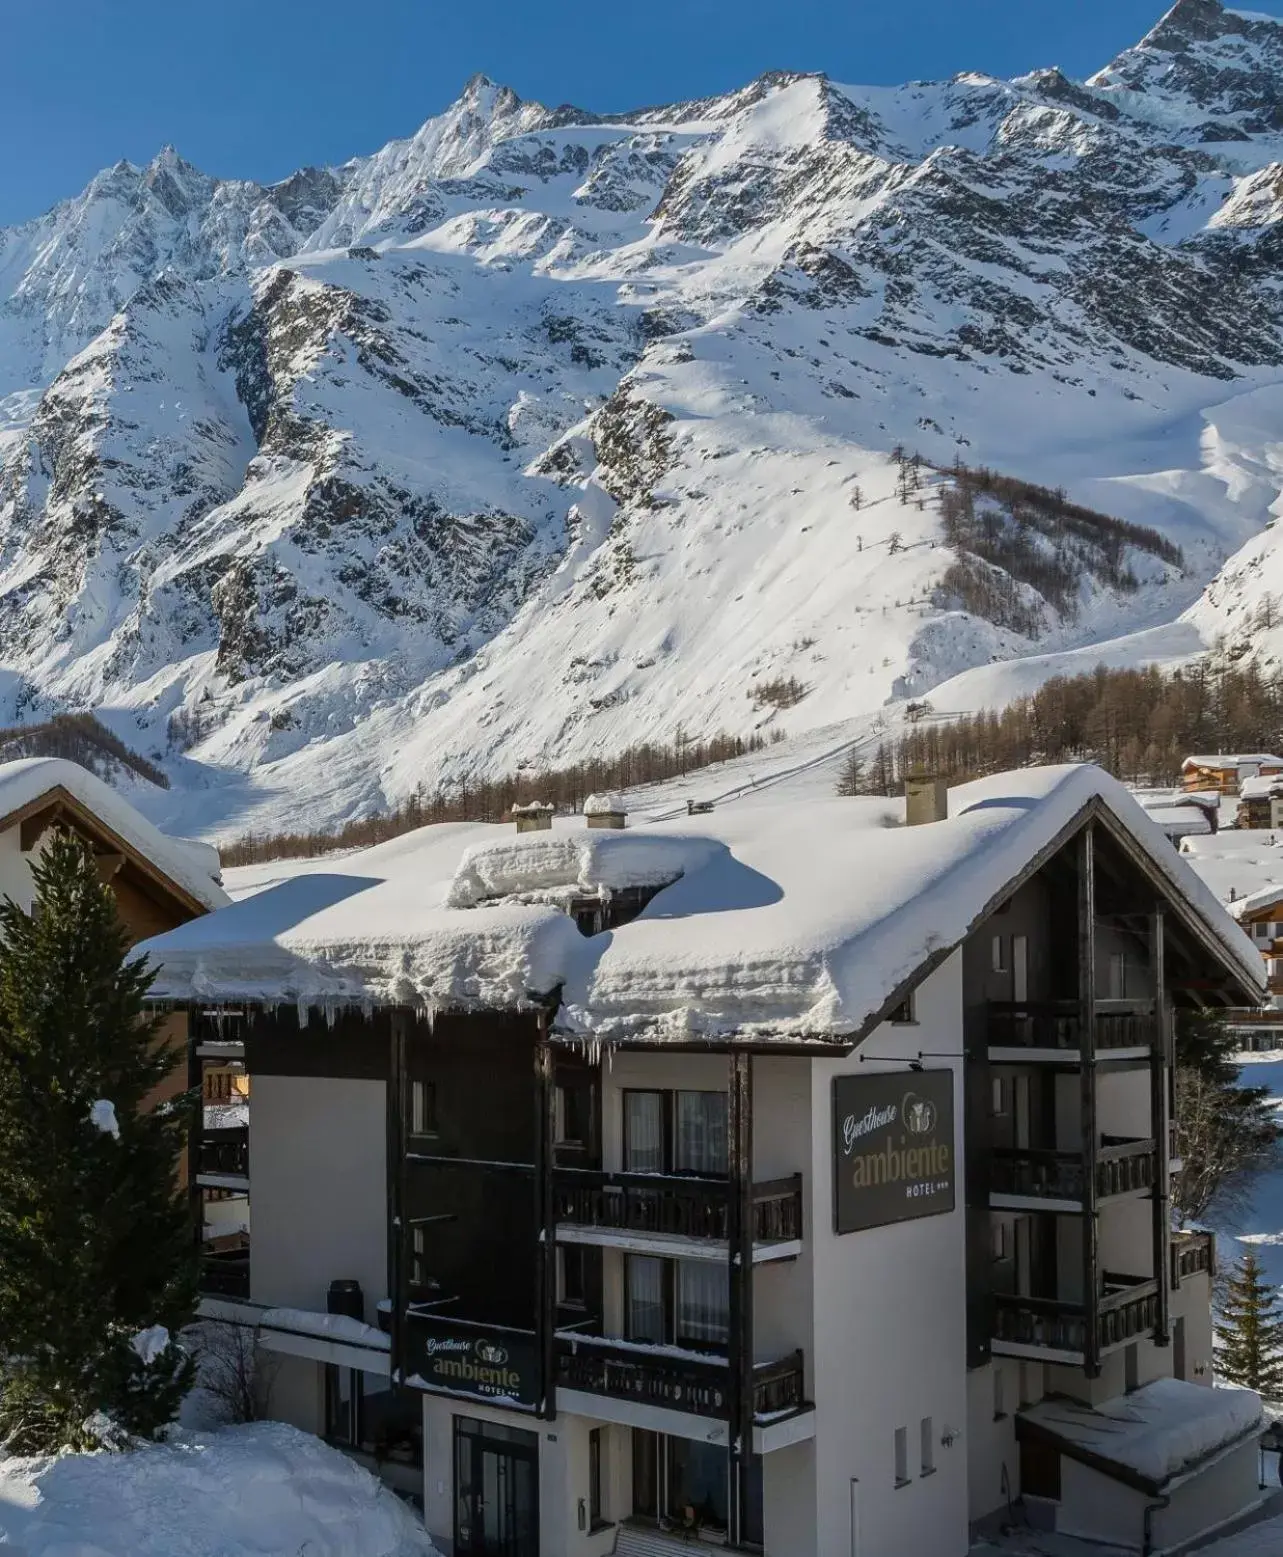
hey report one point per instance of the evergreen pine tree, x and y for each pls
(98, 1265)
(850, 775)
(1250, 1331)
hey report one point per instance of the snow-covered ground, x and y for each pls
(264, 1490)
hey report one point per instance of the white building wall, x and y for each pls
(15, 870)
(318, 1185)
(890, 1332)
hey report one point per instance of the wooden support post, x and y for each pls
(545, 1219)
(1159, 1061)
(740, 1349)
(196, 1084)
(1087, 1078)
(399, 1233)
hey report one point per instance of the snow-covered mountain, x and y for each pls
(543, 432)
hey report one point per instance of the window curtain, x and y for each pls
(701, 1133)
(644, 1132)
(646, 1299)
(703, 1303)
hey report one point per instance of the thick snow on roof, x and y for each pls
(606, 804)
(775, 920)
(190, 865)
(1241, 861)
(1233, 760)
(1179, 821)
(1260, 788)
(1158, 1431)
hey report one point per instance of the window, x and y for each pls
(1118, 975)
(677, 1302)
(703, 1303)
(573, 1116)
(998, 1097)
(1029, 1383)
(998, 954)
(700, 1141)
(904, 1014)
(423, 1108)
(572, 1282)
(676, 1132)
(364, 1413)
(644, 1132)
(927, 1438)
(902, 1456)
(1000, 1241)
(999, 1392)
(646, 1318)
(596, 1502)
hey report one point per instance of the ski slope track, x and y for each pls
(545, 432)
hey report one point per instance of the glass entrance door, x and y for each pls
(496, 1479)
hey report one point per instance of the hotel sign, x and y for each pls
(501, 1366)
(893, 1150)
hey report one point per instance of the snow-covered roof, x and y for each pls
(771, 920)
(1179, 821)
(1260, 788)
(1157, 1432)
(606, 804)
(1254, 902)
(1238, 760)
(188, 864)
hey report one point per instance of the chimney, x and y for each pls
(605, 811)
(925, 800)
(533, 818)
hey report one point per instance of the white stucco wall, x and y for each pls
(318, 1186)
(890, 1332)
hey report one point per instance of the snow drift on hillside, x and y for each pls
(261, 1491)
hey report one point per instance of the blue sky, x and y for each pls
(256, 88)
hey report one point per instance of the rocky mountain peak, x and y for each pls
(1190, 21)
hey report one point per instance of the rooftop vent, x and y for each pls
(925, 800)
(605, 811)
(533, 818)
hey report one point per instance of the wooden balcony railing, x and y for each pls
(225, 1275)
(1192, 1255)
(673, 1205)
(224, 1152)
(1127, 1307)
(1055, 1024)
(679, 1381)
(1040, 1173)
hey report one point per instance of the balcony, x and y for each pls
(675, 1380)
(1127, 1308)
(1053, 1029)
(1020, 1175)
(225, 1274)
(660, 1209)
(1193, 1254)
(222, 1158)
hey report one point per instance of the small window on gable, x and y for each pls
(1000, 1241)
(904, 1014)
(998, 954)
(998, 1097)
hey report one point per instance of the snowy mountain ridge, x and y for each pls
(541, 432)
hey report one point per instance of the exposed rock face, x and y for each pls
(543, 431)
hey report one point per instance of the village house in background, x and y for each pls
(807, 1194)
(1182, 814)
(158, 882)
(1225, 774)
(1260, 801)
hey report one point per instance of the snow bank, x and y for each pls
(1159, 1431)
(773, 919)
(265, 1490)
(102, 1115)
(190, 865)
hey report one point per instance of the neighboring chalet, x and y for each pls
(1225, 774)
(785, 1179)
(1184, 814)
(158, 882)
(1260, 802)
(1261, 916)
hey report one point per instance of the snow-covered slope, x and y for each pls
(543, 432)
